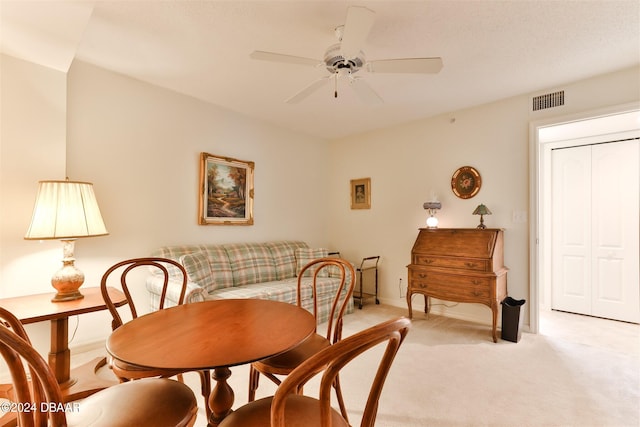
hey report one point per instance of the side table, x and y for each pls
(82, 381)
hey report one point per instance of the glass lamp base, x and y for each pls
(68, 279)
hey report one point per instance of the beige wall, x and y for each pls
(139, 145)
(32, 147)
(407, 163)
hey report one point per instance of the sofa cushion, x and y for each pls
(175, 252)
(327, 287)
(284, 257)
(198, 269)
(250, 263)
(221, 273)
(281, 290)
(286, 291)
(305, 255)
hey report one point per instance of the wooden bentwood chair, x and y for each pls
(285, 363)
(289, 408)
(151, 402)
(122, 370)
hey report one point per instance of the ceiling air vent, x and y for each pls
(549, 100)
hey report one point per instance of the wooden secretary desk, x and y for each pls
(461, 265)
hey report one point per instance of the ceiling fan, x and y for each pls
(345, 58)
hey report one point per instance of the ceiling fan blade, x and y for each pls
(279, 57)
(407, 65)
(356, 29)
(364, 91)
(308, 90)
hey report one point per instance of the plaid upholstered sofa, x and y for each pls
(265, 270)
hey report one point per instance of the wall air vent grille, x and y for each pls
(549, 100)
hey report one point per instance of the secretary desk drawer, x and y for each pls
(450, 262)
(451, 287)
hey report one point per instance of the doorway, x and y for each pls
(594, 228)
(585, 129)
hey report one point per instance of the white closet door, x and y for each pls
(571, 229)
(615, 189)
(595, 216)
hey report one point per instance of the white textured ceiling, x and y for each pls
(490, 49)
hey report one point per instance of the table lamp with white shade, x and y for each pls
(66, 210)
(432, 207)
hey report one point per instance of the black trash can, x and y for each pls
(511, 319)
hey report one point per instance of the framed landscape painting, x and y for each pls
(226, 191)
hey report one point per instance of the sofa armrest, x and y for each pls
(194, 293)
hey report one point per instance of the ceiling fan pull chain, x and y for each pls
(335, 92)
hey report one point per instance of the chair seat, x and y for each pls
(286, 362)
(134, 372)
(165, 402)
(300, 411)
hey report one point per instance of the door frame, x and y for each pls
(543, 134)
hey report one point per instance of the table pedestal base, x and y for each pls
(221, 398)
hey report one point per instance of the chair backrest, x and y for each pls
(32, 398)
(337, 268)
(124, 268)
(331, 360)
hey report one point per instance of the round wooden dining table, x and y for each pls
(214, 335)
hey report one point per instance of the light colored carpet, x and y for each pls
(579, 371)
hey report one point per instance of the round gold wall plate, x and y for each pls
(466, 182)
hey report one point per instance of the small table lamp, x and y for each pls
(482, 210)
(66, 210)
(432, 207)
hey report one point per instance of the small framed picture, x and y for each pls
(226, 191)
(361, 193)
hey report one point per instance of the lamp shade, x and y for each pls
(65, 210)
(432, 205)
(482, 210)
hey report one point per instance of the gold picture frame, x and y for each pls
(226, 191)
(361, 193)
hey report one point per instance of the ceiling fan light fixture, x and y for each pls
(347, 58)
(334, 60)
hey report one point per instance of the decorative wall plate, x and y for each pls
(466, 182)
